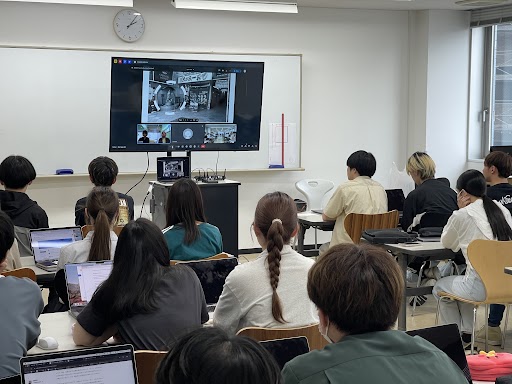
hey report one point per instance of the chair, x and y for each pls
(22, 272)
(87, 228)
(489, 258)
(147, 363)
(314, 190)
(356, 223)
(315, 339)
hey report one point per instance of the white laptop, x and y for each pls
(82, 280)
(46, 244)
(105, 365)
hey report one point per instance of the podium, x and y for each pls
(220, 202)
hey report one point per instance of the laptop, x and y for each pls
(82, 280)
(284, 350)
(212, 275)
(114, 364)
(170, 169)
(46, 244)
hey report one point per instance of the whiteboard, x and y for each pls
(56, 108)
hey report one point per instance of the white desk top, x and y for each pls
(310, 216)
(418, 246)
(58, 326)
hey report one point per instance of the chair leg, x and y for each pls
(486, 328)
(473, 331)
(418, 283)
(437, 312)
(504, 333)
(316, 240)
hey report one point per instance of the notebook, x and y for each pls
(46, 244)
(82, 280)
(104, 365)
(212, 275)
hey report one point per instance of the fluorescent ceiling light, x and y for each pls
(240, 5)
(110, 3)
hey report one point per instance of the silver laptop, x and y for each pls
(46, 244)
(114, 364)
(82, 280)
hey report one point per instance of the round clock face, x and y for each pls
(188, 133)
(129, 25)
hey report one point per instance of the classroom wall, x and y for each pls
(355, 83)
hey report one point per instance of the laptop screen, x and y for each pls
(83, 279)
(104, 365)
(46, 243)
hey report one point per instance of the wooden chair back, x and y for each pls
(315, 339)
(88, 228)
(489, 258)
(356, 223)
(22, 272)
(147, 363)
(218, 256)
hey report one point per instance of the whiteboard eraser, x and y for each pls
(64, 171)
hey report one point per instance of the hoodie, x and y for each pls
(23, 211)
(468, 224)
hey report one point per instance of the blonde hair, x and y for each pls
(422, 164)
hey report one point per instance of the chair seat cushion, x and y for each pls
(489, 366)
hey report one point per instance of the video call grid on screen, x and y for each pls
(165, 105)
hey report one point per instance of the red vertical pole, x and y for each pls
(282, 140)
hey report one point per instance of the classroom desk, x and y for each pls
(44, 278)
(58, 326)
(406, 253)
(308, 220)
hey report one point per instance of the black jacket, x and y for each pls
(432, 196)
(502, 193)
(23, 211)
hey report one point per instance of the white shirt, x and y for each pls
(361, 195)
(468, 224)
(78, 252)
(246, 299)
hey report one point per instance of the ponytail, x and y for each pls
(500, 228)
(100, 245)
(275, 245)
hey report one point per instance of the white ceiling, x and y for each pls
(384, 4)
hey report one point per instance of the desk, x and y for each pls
(308, 220)
(58, 326)
(406, 253)
(44, 278)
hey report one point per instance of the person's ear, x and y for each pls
(492, 169)
(324, 319)
(257, 231)
(90, 178)
(295, 231)
(114, 181)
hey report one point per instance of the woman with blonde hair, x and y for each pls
(270, 291)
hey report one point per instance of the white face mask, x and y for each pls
(325, 335)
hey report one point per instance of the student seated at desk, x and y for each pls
(360, 194)
(20, 306)
(100, 244)
(358, 290)
(103, 173)
(478, 217)
(145, 301)
(210, 356)
(16, 174)
(188, 235)
(270, 291)
(431, 196)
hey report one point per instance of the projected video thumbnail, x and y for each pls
(153, 133)
(220, 133)
(176, 96)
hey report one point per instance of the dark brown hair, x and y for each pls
(185, 207)
(102, 206)
(276, 205)
(502, 161)
(103, 171)
(359, 287)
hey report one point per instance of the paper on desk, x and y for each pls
(275, 144)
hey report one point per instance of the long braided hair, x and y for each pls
(276, 219)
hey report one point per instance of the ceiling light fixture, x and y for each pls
(237, 5)
(109, 3)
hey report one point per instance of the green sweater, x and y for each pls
(389, 357)
(208, 243)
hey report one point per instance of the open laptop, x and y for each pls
(114, 364)
(284, 350)
(82, 280)
(46, 244)
(212, 275)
